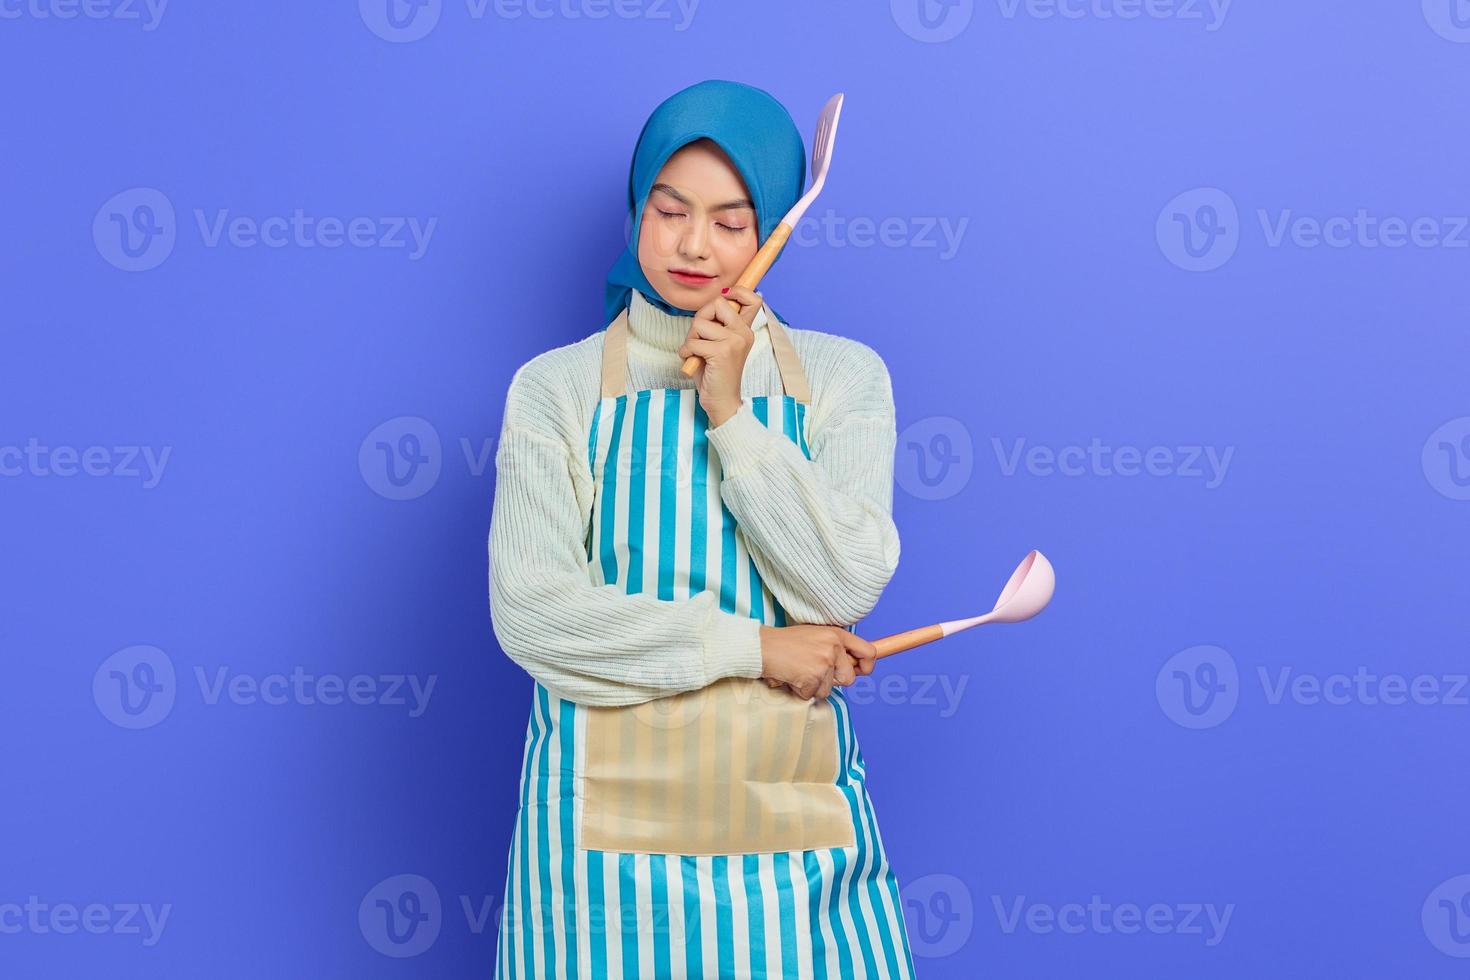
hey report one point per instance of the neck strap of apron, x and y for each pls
(615, 358)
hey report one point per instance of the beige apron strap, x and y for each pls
(615, 357)
(793, 378)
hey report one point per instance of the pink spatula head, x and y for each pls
(822, 145)
(1026, 593)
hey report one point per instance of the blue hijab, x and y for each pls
(751, 127)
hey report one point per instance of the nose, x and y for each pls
(694, 242)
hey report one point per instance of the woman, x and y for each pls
(678, 563)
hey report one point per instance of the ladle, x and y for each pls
(1026, 594)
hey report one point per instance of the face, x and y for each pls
(698, 231)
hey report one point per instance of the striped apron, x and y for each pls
(725, 832)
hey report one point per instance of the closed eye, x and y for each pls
(733, 229)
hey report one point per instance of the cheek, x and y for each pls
(656, 239)
(736, 255)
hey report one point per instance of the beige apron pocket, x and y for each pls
(732, 768)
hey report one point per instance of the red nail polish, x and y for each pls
(725, 290)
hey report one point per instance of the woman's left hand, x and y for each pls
(723, 339)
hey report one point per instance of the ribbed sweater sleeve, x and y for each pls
(820, 530)
(591, 644)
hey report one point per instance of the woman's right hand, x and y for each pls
(810, 659)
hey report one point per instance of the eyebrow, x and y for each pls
(727, 206)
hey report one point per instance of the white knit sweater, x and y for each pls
(820, 531)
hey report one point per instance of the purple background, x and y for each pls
(1073, 763)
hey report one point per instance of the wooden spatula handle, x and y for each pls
(750, 279)
(908, 639)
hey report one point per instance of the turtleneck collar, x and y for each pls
(654, 335)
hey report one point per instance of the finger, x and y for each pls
(749, 310)
(725, 312)
(745, 298)
(710, 329)
(742, 295)
(710, 310)
(704, 348)
(843, 672)
(860, 653)
(859, 648)
(826, 687)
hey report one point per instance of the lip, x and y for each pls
(691, 278)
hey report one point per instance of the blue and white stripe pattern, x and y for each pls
(659, 526)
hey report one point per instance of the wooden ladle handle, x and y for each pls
(908, 639)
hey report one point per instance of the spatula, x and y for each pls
(821, 158)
